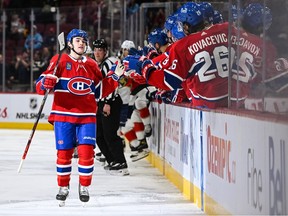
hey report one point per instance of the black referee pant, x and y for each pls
(109, 143)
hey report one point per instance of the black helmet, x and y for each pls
(100, 43)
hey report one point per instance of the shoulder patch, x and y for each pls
(68, 66)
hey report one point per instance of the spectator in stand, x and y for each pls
(17, 27)
(22, 67)
(1, 70)
(155, 18)
(50, 40)
(46, 55)
(36, 39)
(39, 65)
(132, 7)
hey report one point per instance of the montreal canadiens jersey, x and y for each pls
(200, 64)
(200, 57)
(74, 94)
(249, 72)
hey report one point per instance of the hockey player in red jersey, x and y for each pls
(76, 83)
(172, 69)
(200, 62)
(257, 19)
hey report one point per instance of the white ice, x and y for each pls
(32, 191)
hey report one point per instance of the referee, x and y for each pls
(108, 116)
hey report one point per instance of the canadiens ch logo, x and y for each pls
(79, 86)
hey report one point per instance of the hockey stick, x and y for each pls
(61, 41)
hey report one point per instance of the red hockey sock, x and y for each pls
(130, 136)
(144, 113)
(85, 164)
(64, 166)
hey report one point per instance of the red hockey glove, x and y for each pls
(49, 81)
(147, 68)
(137, 77)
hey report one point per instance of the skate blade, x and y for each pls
(61, 203)
(101, 163)
(122, 172)
(140, 156)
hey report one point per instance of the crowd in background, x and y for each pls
(17, 58)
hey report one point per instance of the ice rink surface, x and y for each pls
(32, 191)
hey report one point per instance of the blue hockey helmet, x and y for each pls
(158, 36)
(217, 17)
(191, 14)
(234, 11)
(170, 21)
(207, 11)
(177, 31)
(256, 16)
(77, 33)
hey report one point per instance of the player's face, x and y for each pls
(125, 53)
(99, 54)
(169, 34)
(186, 29)
(79, 45)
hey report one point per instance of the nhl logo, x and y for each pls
(33, 103)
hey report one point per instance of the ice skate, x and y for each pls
(62, 195)
(139, 155)
(83, 194)
(139, 152)
(100, 158)
(108, 166)
(120, 169)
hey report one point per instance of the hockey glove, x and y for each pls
(131, 63)
(179, 96)
(116, 71)
(147, 67)
(157, 95)
(137, 77)
(281, 64)
(150, 52)
(49, 81)
(168, 97)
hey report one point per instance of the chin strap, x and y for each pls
(79, 53)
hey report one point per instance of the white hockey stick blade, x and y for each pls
(61, 41)
(20, 166)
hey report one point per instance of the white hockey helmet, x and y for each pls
(127, 44)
